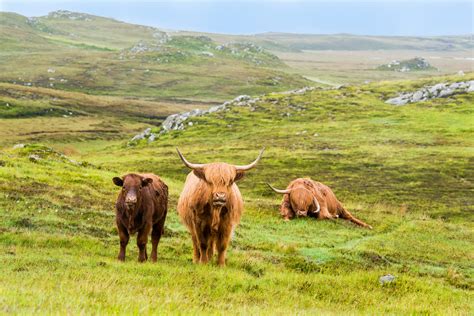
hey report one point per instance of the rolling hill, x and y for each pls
(95, 55)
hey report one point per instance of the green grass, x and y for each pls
(407, 171)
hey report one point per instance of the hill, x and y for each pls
(405, 170)
(291, 42)
(60, 51)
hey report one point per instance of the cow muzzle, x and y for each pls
(130, 202)
(219, 199)
(300, 213)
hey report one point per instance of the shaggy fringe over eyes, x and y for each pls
(220, 173)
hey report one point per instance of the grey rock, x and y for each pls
(387, 279)
(439, 90)
(445, 93)
(17, 146)
(34, 158)
(417, 96)
(397, 101)
(152, 137)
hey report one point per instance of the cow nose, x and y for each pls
(219, 198)
(131, 200)
(300, 213)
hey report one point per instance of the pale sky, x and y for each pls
(383, 17)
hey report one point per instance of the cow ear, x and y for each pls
(199, 172)
(239, 175)
(118, 181)
(146, 181)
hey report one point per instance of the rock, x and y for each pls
(51, 70)
(439, 90)
(397, 101)
(386, 279)
(414, 64)
(445, 93)
(19, 146)
(152, 137)
(208, 54)
(417, 96)
(460, 73)
(34, 158)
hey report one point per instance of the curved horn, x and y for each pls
(279, 191)
(251, 165)
(187, 163)
(317, 203)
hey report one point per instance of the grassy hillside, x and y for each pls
(79, 52)
(407, 171)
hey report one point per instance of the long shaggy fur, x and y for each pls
(300, 199)
(210, 227)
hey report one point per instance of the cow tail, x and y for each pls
(345, 214)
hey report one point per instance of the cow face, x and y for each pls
(132, 185)
(302, 201)
(220, 177)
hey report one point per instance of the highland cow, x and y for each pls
(211, 206)
(305, 197)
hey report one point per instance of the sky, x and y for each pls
(383, 17)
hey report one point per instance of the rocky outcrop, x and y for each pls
(415, 64)
(177, 121)
(440, 90)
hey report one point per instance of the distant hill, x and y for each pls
(98, 55)
(82, 52)
(298, 42)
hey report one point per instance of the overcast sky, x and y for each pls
(383, 17)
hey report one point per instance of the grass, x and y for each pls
(407, 171)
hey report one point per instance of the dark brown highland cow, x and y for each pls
(305, 197)
(211, 206)
(141, 207)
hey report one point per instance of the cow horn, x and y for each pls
(251, 165)
(187, 163)
(279, 191)
(317, 203)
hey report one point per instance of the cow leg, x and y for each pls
(124, 238)
(156, 233)
(222, 244)
(203, 249)
(142, 239)
(210, 249)
(203, 236)
(196, 251)
(324, 213)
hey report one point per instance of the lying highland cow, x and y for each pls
(141, 207)
(305, 197)
(211, 206)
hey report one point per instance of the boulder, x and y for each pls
(387, 279)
